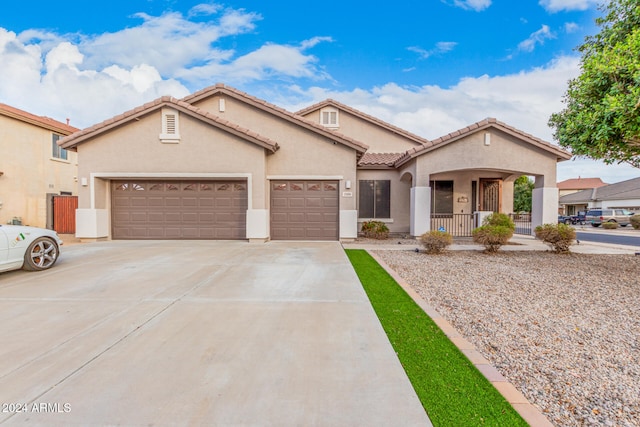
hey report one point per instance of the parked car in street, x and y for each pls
(579, 218)
(30, 248)
(597, 216)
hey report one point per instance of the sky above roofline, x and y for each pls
(428, 67)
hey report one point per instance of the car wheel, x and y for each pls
(41, 254)
(595, 225)
(567, 221)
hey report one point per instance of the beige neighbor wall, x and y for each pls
(303, 153)
(136, 148)
(400, 199)
(379, 139)
(30, 172)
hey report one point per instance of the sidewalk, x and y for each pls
(517, 243)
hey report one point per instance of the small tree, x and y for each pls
(558, 236)
(522, 191)
(496, 230)
(435, 241)
(635, 221)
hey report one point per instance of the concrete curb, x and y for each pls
(529, 412)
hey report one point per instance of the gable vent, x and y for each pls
(170, 127)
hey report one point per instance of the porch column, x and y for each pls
(420, 210)
(544, 207)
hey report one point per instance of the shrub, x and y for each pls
(558, 236)
(436, 241)
(610, 225)
(496, 230)
(635, 221)
(375, 230)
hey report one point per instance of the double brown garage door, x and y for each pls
(154, 209)
(178, 209)
(304, 210)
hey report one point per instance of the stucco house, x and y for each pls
(574, 185)
(33, 167)
(620, 195)
(222, 164)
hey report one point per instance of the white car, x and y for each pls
(31, 248)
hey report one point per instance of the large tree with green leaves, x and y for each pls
(601, 119)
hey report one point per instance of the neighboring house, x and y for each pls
(621, 195)
(221, 164)
(33, 167)
(574, 185)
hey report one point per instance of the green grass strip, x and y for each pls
(451, 389)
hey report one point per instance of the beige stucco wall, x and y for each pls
(303, 153)
(400, 197)
(136, 148)
(378, 138)
(505, 154)
(30, 172)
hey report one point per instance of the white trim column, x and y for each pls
(348, 225)
(544, 207)
(257, 225)
(420, 210)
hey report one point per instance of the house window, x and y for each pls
(329, 117)
(374, 199)
(170, 126)
(442, 197)
(57, 152)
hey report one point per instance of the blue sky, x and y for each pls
(430, 66)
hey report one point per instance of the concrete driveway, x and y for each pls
(197, 333)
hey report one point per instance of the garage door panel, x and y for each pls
(179, 209)
(304, 210)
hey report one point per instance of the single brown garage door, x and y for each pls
(178, 209)
(304, 210)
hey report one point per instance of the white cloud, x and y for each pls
(89, 78)
(571, 27)
(566, 5)
(441, 47)
(536, 38)
(477, 5)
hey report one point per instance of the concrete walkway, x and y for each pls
(198, 333)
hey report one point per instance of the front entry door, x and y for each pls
(491, 195)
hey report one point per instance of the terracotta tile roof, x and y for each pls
(481, 125)
(333, 103)
(629, 189)
(379, 159)
(274, 109)
(73, 140)
(44, 122)
(580, 183)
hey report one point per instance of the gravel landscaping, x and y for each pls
(563, 329)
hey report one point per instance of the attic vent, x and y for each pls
(170, 126)
(329, 117)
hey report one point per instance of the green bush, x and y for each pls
(375, 230)
(435, 241)
(610, 225)
(635, 221)
(558, 236)
(496, 230)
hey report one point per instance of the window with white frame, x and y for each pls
(57, 152)
(329, 117)
(374, 198)
(170, 126)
